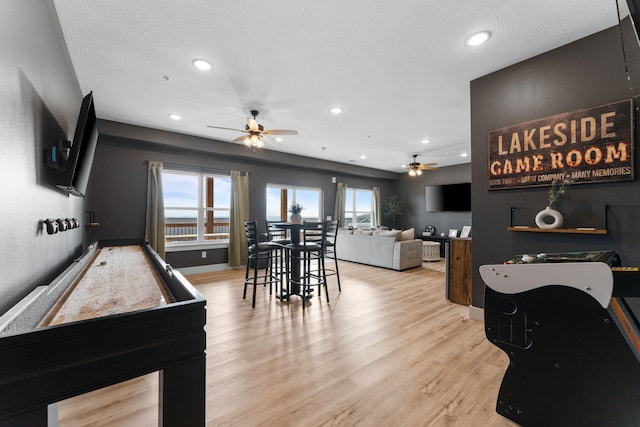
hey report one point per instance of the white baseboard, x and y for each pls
(209, 268)
(476, 313)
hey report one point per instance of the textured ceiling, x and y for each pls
(400, 69)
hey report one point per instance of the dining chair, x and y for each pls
(258, 253)
(330, 248)
(311, 254)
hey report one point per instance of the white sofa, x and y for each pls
(385, 249)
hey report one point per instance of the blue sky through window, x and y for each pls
(310, 198)
(180, 190)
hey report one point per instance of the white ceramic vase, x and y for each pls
(549, 213)
(295, 218)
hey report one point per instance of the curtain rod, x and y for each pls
(192, 168)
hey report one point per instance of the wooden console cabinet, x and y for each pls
(458, 272)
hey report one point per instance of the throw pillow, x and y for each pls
(393, 233)
(364, 230)
(409, 234)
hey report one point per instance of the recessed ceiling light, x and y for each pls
(478, 38)
(202, 64)
(279, 138)
(175, 116)
(363, 156)
(336, 110)
(464, 155)
(426, 141)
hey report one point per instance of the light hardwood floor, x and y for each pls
(387, 351)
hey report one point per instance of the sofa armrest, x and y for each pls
(407, 254)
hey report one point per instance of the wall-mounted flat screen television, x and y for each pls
(448, 198)
(634, 10)
(85, 139)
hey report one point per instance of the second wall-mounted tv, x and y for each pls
(78, 168)
(448, 198)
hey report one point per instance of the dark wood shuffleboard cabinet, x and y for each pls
(118, 312)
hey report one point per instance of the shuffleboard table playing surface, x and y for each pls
(119, 279)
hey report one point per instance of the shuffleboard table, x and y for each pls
(116, 313)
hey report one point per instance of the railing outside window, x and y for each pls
(188, 231)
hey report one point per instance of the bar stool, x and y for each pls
(310, 249)
(256, 252)
(277, 236)
(330, 248)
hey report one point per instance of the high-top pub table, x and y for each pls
(293, 287)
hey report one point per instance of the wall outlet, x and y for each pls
(204, 254)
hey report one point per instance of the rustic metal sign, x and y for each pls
(590, 145)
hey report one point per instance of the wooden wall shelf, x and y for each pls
(559, 230)
(579, 230)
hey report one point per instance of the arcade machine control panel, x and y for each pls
(566, 322)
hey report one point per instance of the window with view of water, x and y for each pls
(358, 208)
(196, 207)
(280, 198)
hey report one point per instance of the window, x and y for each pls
(196, 207)
(358, 208)
(279, 198)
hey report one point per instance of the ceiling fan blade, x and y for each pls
(280, 132)
(239, 139)
(428, 166)
(270, 138)
(218, 127)
(252, 124)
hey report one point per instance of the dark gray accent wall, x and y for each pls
(412, 192)
(117, 190)
(40, 100)
(588, 72)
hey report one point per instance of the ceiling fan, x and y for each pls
(255, 132)
(416, 168)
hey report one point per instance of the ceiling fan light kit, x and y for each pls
(415, 167)
(253, 141)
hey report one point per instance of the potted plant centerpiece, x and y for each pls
(295, 210)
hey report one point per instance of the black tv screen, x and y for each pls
(85, 140)
(448, 198)
(634, 10)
